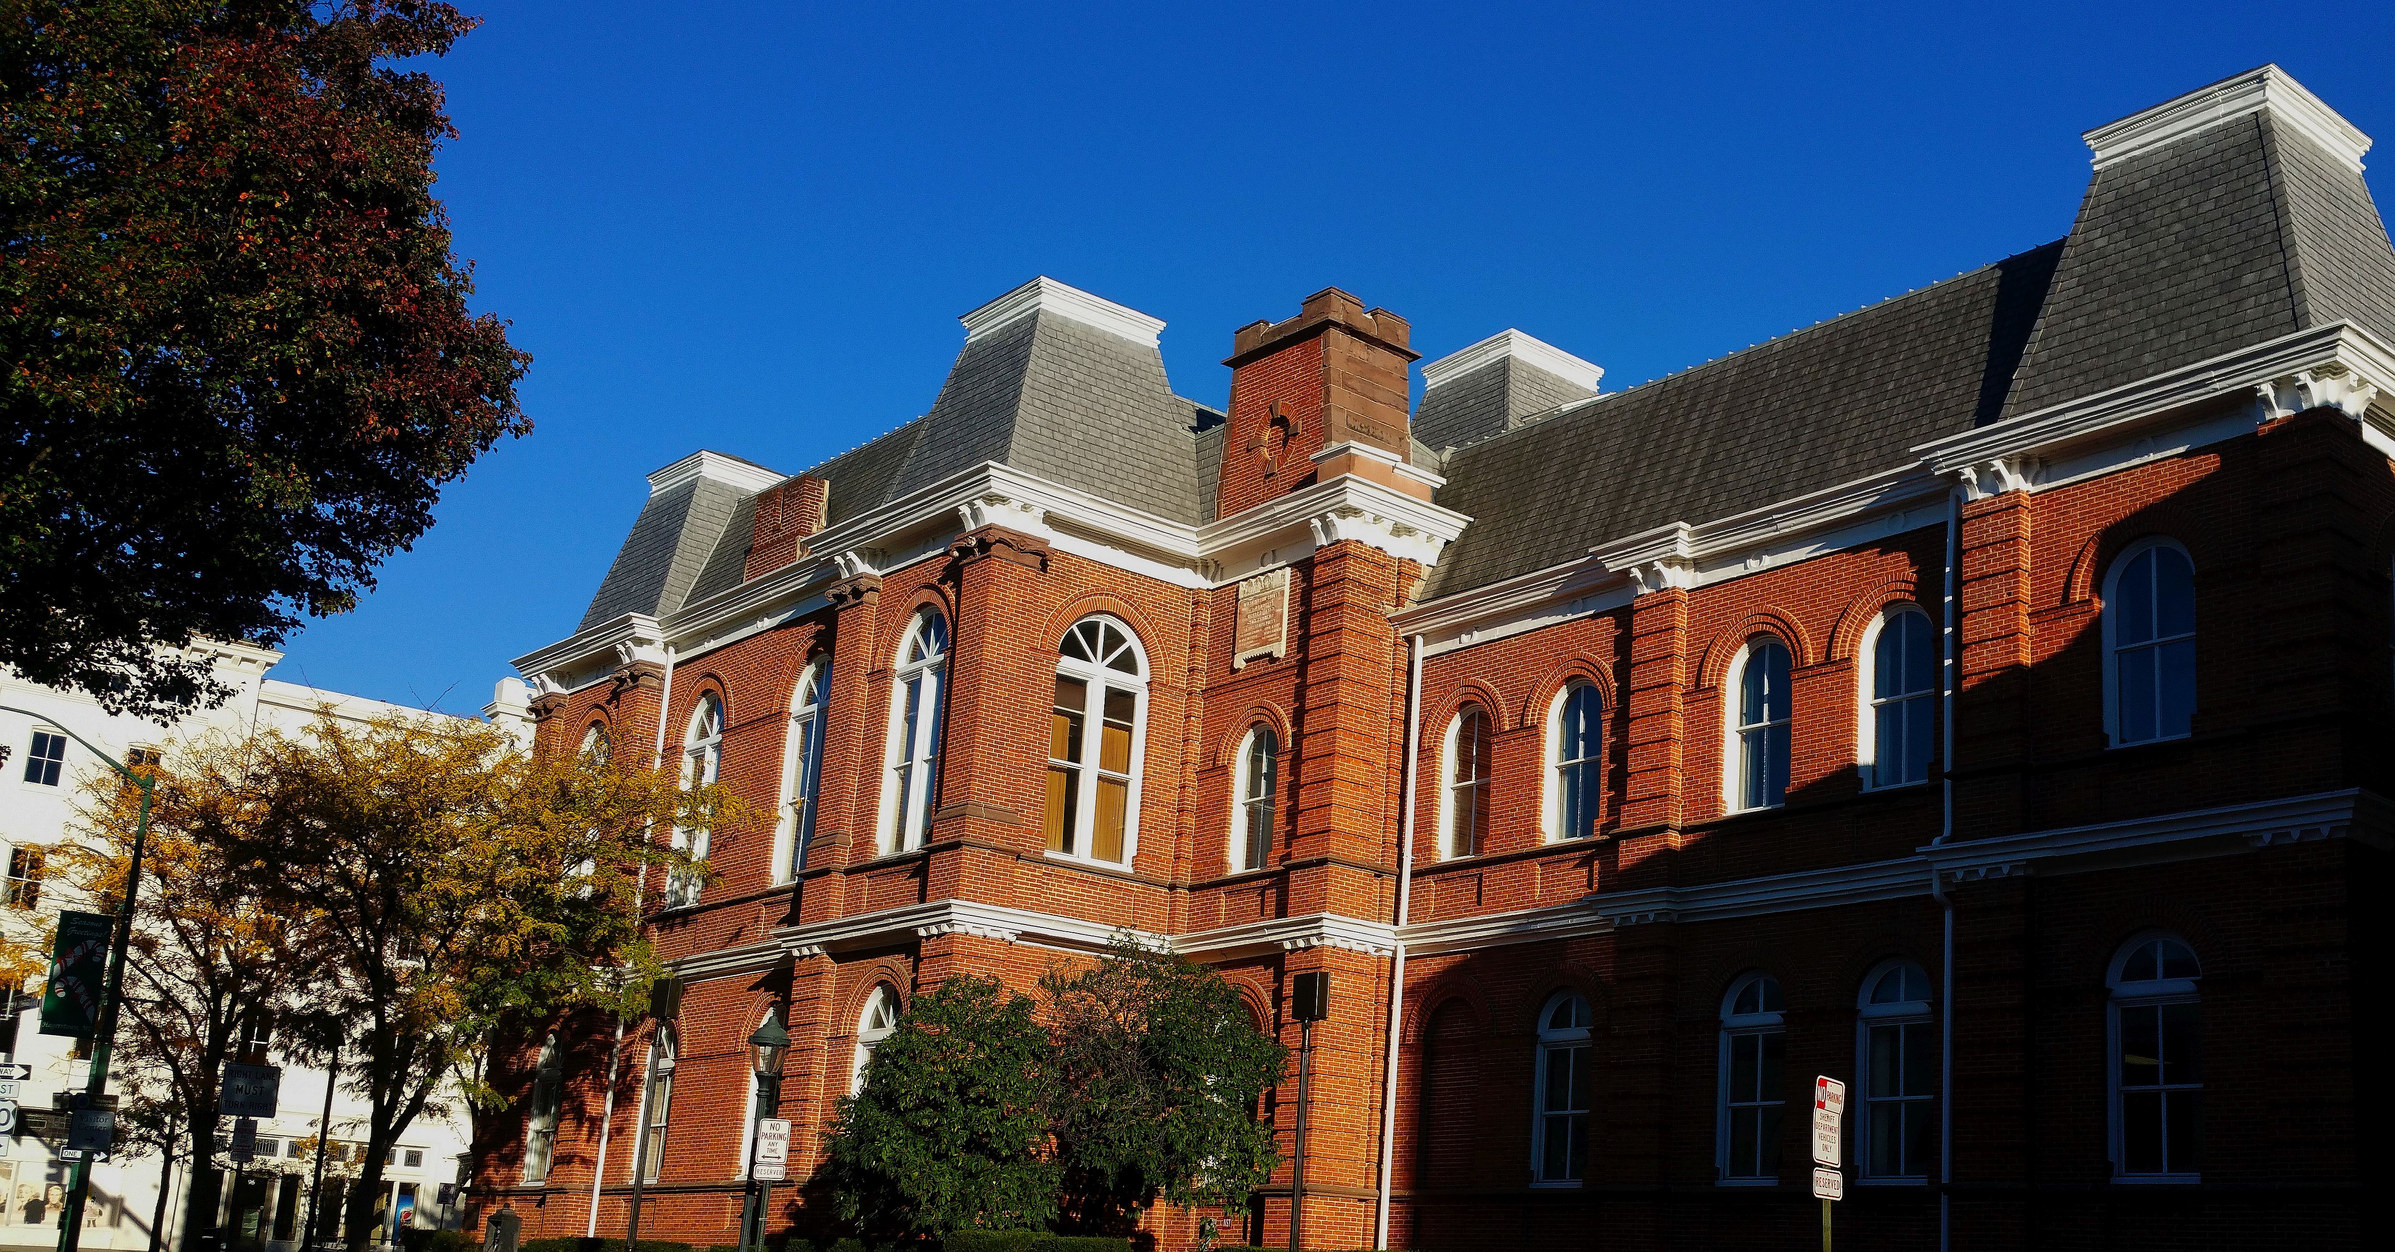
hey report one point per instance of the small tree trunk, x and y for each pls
(201, 1196)
(366, 1199)
(166, 1173)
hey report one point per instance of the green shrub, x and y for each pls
(420, 1240)
(600, 1245)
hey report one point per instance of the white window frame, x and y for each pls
(55, 773)
(1733, 702)
(1869, 700)
(1099, 677)
(702, 766)
(802, 770)
(1551, 801)
(1897, 1013)
(657, 1102)
(1734, 1026)
(23, 869)
(870, 1033)
(2111, 622)
(542, 1110)
(597, 745)
(1450, 785)
(1552, 1040)
(2144, 993)
(1245, 802)
(911, 761)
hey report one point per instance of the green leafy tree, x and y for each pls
(1159, 1070)
(950, 1130)
(236, 358)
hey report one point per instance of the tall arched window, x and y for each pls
(1257, 785)
(1096, 738)
(802, 767)
(1576, 746)
(702, 764)
(1559, 1134)
(1899, 721)
(540, 1115)
(596, 746)
(1446, 1144)
(2158, 1058)
(878, 1022)
(1758, 776)
(1464, 809)
(657, 1103)
(1754, 1049)
(1899, 1066)
(912, 787)
(2149, 643)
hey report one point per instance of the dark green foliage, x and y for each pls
(599, 1245)
(416, 1239)
(951, 1128)
(1030, 1241)
(1159, 1069)
(236, 357)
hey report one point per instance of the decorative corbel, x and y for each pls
(1649, 577)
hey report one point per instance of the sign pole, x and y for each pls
(1829, 1144)
(324, 1132)
(1825, 1226)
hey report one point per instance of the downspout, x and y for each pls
(615, 1055)
(1937, 888)
(1405, 889)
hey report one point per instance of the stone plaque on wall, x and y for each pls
(1263, 625)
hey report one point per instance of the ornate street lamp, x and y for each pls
(766, 1048)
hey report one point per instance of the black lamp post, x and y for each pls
(765, 1051)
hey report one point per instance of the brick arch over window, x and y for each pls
(1468, 693)
(1225, 752)
(903, 603)
(1091, 603)
(1449, 1068)
(1725, 645)
(1571, 976)
(2102, 548)
(701, 685)
(1456, 987)
(858, 981)
(1847, 635)
(1574, 668)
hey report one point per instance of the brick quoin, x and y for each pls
(2260, 839)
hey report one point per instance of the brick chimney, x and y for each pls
(1333, 375)
(787, 513)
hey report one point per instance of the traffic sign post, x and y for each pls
(1829, 1138)
(773, 1150)
(250, 1091)
(245, 1141)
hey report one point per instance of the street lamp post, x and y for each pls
(765, 1050)
(70, 1234)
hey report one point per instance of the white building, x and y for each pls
(39, 786)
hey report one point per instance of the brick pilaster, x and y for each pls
(1993, 644)
(1654, 711)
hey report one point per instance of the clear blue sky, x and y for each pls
(751, 227)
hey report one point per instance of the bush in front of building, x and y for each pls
(579, 1244)
(1030, 1241)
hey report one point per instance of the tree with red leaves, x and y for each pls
(236, 358)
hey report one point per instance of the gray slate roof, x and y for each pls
(673, 542)
(1486, 401)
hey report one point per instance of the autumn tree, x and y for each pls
(236, 358)
(447, 885)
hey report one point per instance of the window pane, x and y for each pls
(1559, 1080)
(1887, 660)
(2176, 684)
(2182, 1045)
(1920, 734)
(1064, 799)
(1775, 781)
(2184, 1126)
(2174, 960)
(2134, 593)
(1558, 1147)
(1775, 1061)
(1887, 1056)
(1917, 1137)
(2174, 593)
(1259, 832)
(1920, 653)
(1577, 1163)
(1064, 732)
(2136, 703)
(2141, 1045)
(1773, 662)
(2140, 966)
(1746, 1066)
(1769, 1135)
(1887, 1140)
(1579, 799)
(2141, 1132)
(1114, 744)
(1918, 1080)
(1745, 1130)
(1106, 843)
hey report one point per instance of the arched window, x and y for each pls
(596, 746)
(1754, 1049)
(1095, 741)
(802, 768)
(1257, 786)
(2149, 643)
(1576, 747)
(702, 764)
(878, 1022)
(1446, 1144)
(540, 1116)
(1899, 721)
(2158, 1061)
(1464, 809)
(912, 787)
(1758, 776)
(1899, 1065)
(657, 1104)
(1559, 1135)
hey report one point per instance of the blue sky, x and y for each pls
(750, 227)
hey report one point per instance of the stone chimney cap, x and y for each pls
(1325, 308)
(1046, 295)
(1517, 346)
(2268, 89)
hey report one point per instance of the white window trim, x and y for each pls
(551, 1058)
(1732, 1025)
(1242, 776)
(1548, 1039)
(65, 775)
(802, 769)
(1733, 761)
(651, 1143)
(904, 823)
(869, 1038)
(702, 765)
(1093, 729)
(1867, 1015)
(1447, 782)
(2119, 995)
(1550, 818)
(2110, 621)
(1867, 700)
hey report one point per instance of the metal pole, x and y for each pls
(769, 1096)
(1297, 1166)
(1825, 1226)
(324, 1132)
(640, 1142)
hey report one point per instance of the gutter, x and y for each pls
(1405, 888)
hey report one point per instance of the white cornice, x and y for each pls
(1046, 295)
(1051, 930)
(1289, 934)
(2266, 90)
(731, 471)
(1777, 893)
(1462, 934)
(1518, 346)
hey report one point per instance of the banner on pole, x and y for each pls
(78, 972)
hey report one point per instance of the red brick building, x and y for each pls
(1982, 697)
